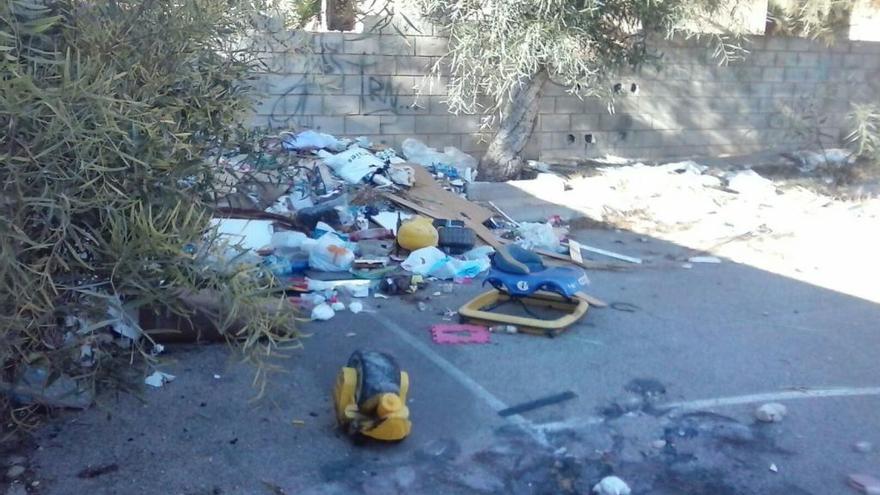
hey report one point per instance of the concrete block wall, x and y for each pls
(367, 84)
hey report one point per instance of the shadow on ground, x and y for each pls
(712, 331)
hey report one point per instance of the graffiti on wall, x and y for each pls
(323, 74)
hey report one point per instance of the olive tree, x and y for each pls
(502, 52)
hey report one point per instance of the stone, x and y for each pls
(772, 412)
(863, 447)
(15, 471)
(658, 444)
(611, 485)
(15, 459)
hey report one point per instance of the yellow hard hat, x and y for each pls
(417, 233)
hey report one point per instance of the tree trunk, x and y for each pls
(502, 160)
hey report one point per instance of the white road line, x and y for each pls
(773, 396)
(462, 378)
(737, 400)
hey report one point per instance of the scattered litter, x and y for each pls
(603, 252)
(612, 485)
(538, 236)
(749, 182)
(388, 219)
(323, 312)
(158, 379)
(774, 468)
(380, 296)
(417, 233)
(15, 471)
(687, 265)
(422, 306)
(331, 254)
(438, 293)
(658, 444)
(298, 422)
(312, 140)
(216, 376)
(504, 329)
(338, 306)
(247, 234)
(34, 386)
(772, 412)
(459, 334)
(350, 334)
(863, 447)
(536, 404)
(704, 259)
(864, 483)
(355, 307)
(353, 164)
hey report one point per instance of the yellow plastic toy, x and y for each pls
(370, 397)
(417, 233)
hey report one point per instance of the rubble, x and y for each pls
(335, 220)
(772, 412)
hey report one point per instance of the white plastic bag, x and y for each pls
(418, 152)
(352, 164)
(456, 268)
(423, 261)
(288, 239)
(430, 261)
(331, 254)
(323, 312)
(538, 236)
(312, 140)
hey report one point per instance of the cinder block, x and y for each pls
(853, 61)
(807, 59)
(476, 143)
(436, 105)
(397, 124)
(441, 141)
(547, 105)
(376, 44)
(465, 124)
(866, 47)
(569, 104)
(775, 43)
(283, 106)
(342, 105)
(774, 74)
(330, 125)
(362, 124)
(430, 46)
(429, 85)
(554, 122)
(801, 44)
(763, 58)
(432, 124)
(404, 84)
(414, 66)
(353, 85)
(584, 122)
(622, 122)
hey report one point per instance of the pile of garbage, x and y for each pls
(336, 220)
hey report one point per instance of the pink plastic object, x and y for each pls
(450, 333)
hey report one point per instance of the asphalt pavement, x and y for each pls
(666, 381)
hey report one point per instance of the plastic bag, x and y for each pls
(312, 140)
(352, 164)
(331, 254)
(418, 152)
(430, 261)
(423, 261)
(538, 236)
(454, 268)
(288, 239)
